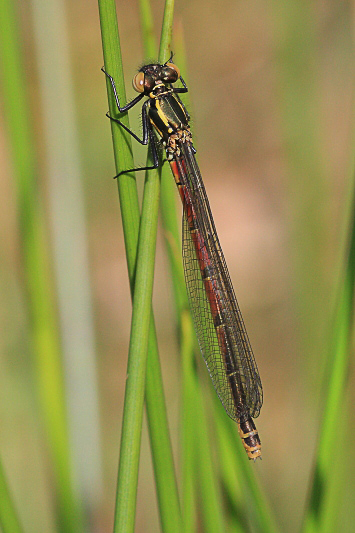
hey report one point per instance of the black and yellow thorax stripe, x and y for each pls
(166, 113)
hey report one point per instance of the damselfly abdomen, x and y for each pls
(219, 325)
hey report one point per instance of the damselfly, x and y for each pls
(219, 325)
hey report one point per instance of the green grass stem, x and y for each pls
(319, 515)
(208, 483)
(157, 420)
(300, 98)
(188, 443)
(238, 510)
(148, 32)
(169, 199)
(189, 387)
(163, 463)
(137, 357)
(9, 520)
(187, 340)
(69, 242)
(37, 274)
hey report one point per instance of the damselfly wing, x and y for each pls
(219, 325)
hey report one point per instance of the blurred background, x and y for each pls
(271, 86)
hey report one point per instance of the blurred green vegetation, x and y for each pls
(271, 91)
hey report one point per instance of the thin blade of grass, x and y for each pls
(127, 479)
(301, 115)
(231, 480)
(147, 26)
(188, 436)
(137, 358)
(164, 472)
(318, 514)
(169, 207)
(208, 484)
(187, 341)
(69, 243)
(130, 218)
(40, 301)
(166, 31)
(9, 520)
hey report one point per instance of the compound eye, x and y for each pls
(170, 73)
(138, 82)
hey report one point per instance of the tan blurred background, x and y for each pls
(272, 106)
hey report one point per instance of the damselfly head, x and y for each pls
(151, 75)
